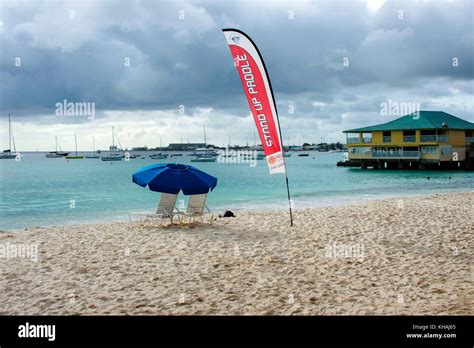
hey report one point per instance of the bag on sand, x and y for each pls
(227, 213)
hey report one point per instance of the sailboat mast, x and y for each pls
(9, 133)
(56, 140)
(75, 141)
(113, 139)
(205, 140)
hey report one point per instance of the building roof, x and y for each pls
(426, 120)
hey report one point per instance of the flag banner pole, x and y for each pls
(259, 93)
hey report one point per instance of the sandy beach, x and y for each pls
(407, 256)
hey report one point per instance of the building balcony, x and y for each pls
(409, 138)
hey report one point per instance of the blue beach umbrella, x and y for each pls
(174, 177)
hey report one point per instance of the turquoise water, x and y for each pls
(37, 191)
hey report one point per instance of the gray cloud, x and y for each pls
(186, 62)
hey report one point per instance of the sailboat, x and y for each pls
(57, 154)
(94, 154)
(112, 156)
(304, 154)
(8, 154)
(205, 155)
(260, 155)
(159, 155)
(76, 156)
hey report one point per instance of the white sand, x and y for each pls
(409, 256)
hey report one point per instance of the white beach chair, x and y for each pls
(166, 209)
(197, 208)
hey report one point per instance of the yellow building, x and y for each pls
(427, 139)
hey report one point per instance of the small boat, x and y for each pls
(203, 154)
(260, 156)
(53, 154)
(76, 156)
(176, 154)
(204, 159)
(112, 157)
(303, 155)
(94, 153)
(57, 154)
(134, 155)
(8, 154)
(159, 155)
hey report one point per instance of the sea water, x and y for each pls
(37, 191)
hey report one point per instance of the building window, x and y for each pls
(429, 150)
(469, 137)
(447, 150)
(409, 136)
(428, 135)
(361, 149)
(366, 137)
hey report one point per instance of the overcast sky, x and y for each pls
(333, 63)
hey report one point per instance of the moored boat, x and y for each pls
(204, 159)
(94, 154)
(76, 156)
(56, 153)
(8, 154)
(112, 157)
(158, 155)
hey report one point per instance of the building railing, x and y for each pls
(427, 138)
(469, 139)
(396, 154)
(442, 138)
(407, 139)
(434, 138)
